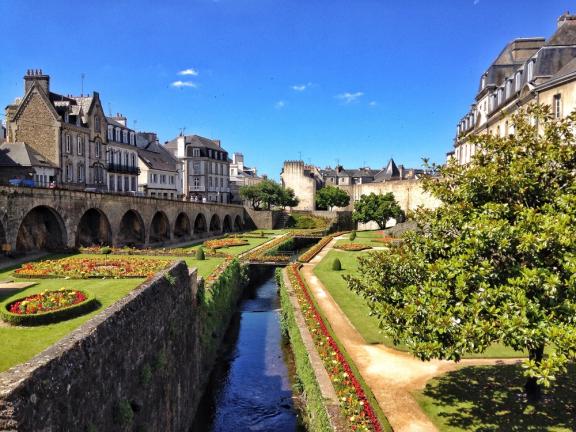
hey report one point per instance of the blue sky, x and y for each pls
(356, 81)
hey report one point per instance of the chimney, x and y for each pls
(217, 142)
(36, 76)
(121, 119)
(181, 146)
(565, 18)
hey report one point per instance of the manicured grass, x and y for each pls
(19, 344)
(357, 310)
(490, 398)
(364, 237)
(237, 250)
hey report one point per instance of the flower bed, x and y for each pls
(93, 267)
(353, 401)
(47, 307)
(265, 253)
(212, 277)
(313, 251)
(387, 240)
(225, 242)
(352, 247)
(180, 252)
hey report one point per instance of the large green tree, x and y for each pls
(379, 208)
(331, 196)
(496, 262)
(268, 193)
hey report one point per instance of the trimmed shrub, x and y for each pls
(200, 256)
(352, 236)
(336, 264)
(106, 250)
(73, 311)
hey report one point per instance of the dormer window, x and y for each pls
(125, 137)
(131, 138)
(110, 133)
(195, 152)
(518, 81)
(530, 70)
(500, 94)
(117, 134)
(508, 88)
(483, 82)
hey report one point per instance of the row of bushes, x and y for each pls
(305, 383)
(314, 250)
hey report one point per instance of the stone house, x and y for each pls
(206, 168)
(64, 130)
(122, 156)
(20, 161)
(160, 172)
(527, 70)
(241, 175)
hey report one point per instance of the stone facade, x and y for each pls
(403, 183)
(527, 71)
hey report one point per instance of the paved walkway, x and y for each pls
(392, 375)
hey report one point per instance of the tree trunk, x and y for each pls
(532, 388)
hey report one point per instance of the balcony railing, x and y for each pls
(123, 169)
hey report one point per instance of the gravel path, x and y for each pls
(392, 375)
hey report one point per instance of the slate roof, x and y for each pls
(195, 141)
(22, 154)
(155, 156)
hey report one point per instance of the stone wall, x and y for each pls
(263, 219)
(138, 365)
(293, 176)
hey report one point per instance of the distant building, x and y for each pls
(241, 175)
(160, 172)
(123, 168)
(306, 180)
(528, 70)
(205, 170)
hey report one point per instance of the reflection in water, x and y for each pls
(249, 389)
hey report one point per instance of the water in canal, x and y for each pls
(250, 388)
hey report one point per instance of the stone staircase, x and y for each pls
(282, 220)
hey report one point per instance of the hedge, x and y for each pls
(72, 311)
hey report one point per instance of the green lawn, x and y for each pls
(357, 310)
(364, 237)
(237, 250)
(19, 344)
(490, 398)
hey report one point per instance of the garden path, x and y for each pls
(392, 375)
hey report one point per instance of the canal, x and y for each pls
(250, 387)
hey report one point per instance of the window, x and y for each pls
(209, 181)
(171, 180)
(117, 134)
(196, 182)
(196, 167)
(133, 184)
(195, 152)
(81, 173)
(508, 88)
(68, 173)
(132, 138)
(530, 70)
(483, 82)
(557, 106)
(119, 184)
(110, 133)
(112, 185)
(125, 137)
(125, 159)
(132, 160)
(518, 81)
(97, 149)
(500, 94)
(163, 178)
(68, 144)
(155, 178)
(126, 183)
(97, 124)
(79, 145)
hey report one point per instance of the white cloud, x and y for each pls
(476, 2)
(180, 84)
(190, 71)
(301, 87)
(349, 97)
(280, 104)
(373, 103)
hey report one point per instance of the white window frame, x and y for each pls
(68, 144)
(110, 133)
(79, 146)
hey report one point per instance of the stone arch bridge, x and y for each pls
(52, 219)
